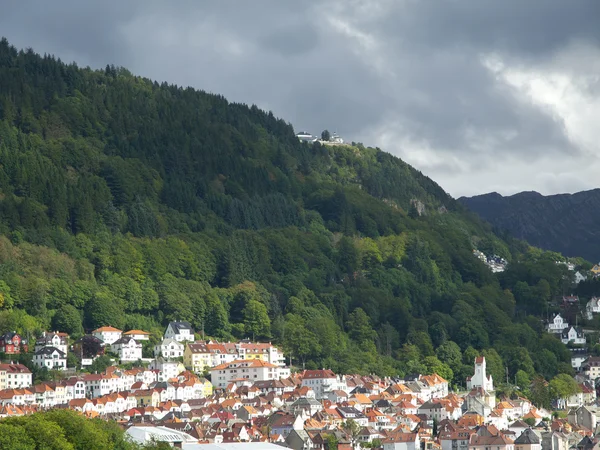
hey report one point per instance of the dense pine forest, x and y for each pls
(130, 203)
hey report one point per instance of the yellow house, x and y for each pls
(147, 397)
(196, 356)
(596, 269)
(206, 387)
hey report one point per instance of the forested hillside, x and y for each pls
(565, 223)
(130, 203)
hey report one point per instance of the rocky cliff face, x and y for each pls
(567, 223)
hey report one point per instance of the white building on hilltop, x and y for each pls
(480, 379)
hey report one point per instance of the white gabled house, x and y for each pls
(51, 358)
(573, 335)
(53, 339)
(557, 324)
(169, 348)
(579, 277)
(592, 307)
(108, 335)
(128, 349)
(180, 331)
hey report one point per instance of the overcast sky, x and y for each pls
(481, 95)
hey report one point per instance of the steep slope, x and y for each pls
(132, 203)
(565, 223)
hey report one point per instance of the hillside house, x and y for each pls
(15, 376)
(127, 349)
(579, 277)
(557, 324)
(569, 300)
(250, 370)
(592, 307)
(320, 381)
(573, 335)
(51, 358)
(88, 347)
(528, 440)
(402, 441)
(53, 339)
(12, 343)
(591, 367)
(179, 331)
(138, 335)
(108, 335)
(169, 348)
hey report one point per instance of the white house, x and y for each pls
(14, 376)
(128, 349)
(53, 339)
(167, 369)
(180, 331)
(480, 379)
(169, 348)
(51, 358)
(402, 441)
(108, 335)
(579, 277)
(592, 307)
(320, 381)
(245, 369)
(573, 335)
(557, 324)
(138, 335)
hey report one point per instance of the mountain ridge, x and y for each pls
(559, 222)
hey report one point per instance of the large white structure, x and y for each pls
(53, 339)
(592, 307)
(14, 376)
(322, 382)
(51, 358)
(573, 335)
(169, 348)
(127, 348)
(480, 378)
(250, 369)
(180, 331)
(557, 324)
(108, 335)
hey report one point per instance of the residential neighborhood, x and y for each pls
(205, 391)
(217, 392)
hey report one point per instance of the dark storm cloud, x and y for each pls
(472, 92)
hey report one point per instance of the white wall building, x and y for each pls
(180, 331)
(169, 348)
(128, 349)
(53, 339)
(51, 358)
(250, 369)
(573, 335)
(14, 376)
(108, 335)
(557, 324)
(320, 381)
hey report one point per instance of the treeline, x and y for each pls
(132, 203)
(64, 430)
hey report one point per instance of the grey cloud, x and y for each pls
(406, 69)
